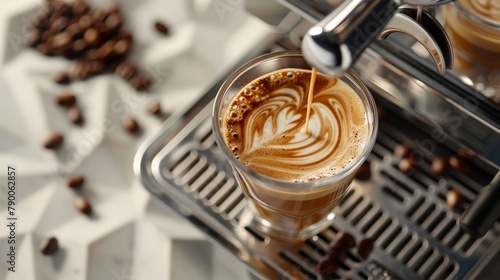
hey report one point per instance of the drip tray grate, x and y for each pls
(416, 235)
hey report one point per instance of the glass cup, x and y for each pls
(289, 210)
(474, 29)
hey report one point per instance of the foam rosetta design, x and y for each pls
(266, 120)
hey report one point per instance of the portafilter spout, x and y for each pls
(337, 41)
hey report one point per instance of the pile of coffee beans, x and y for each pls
(337, 252)
(95, 39)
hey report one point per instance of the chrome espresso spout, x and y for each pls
(337, 41)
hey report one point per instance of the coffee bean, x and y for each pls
(346, 238)
(364, 172)
(161, 27)
(439, 165)
(75, 181)
(126, 70)
(44, 49)
(130, 124)
(61, 78)
(66, 99)
(122, 47)
(458, 164)
(53, 141)
(106, 50)
(83, 205)
(327, 266)
(49, 246)
(96, 67)
(112, 8)
(75, 115)
(61, 42)
(454, 200)
(407, 165)
(59, 24)
(402, 150)
(113, 21)
(338, 251)
(75, 30)
(80, 70)
(98, 16)
(79, 46)
(79, 8)
(365, 247)
(155, 108)
(85, 22)
(141, 82)
(92, 37)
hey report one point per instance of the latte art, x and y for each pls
(264, 124)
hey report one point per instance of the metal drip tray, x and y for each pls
(417, 235)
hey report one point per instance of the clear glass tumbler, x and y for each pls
(289, 210)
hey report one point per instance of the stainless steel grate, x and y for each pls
(416, 234)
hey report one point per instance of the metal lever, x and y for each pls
(337, 41)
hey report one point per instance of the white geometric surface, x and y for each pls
(130, 236)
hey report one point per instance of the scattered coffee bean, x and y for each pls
(66, 99)
(75, 115)
(407, 165)
(454, 200)
(75, 181)
(49, 246)
(130, 124)
(346, 238)
(141, 82)
(83, 205)
(365, 247)
(61, 78)
(327, 266)
(402, 150)
(53, 141)
(161, 27)
(155, 108)
(126, 70)
(458, 164)
(439, 165)
(364, 172)
(338, 251)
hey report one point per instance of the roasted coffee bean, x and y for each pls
(106, 50)
(439, 165)
(96, 67)
(155, 108)
(161, 27)
(61, 78)
(49, 246)
(112, 8)
(44, 49)
(33, 38)
(75, 181)
(61, 42)
(338, 251)
(454, 200)
(365, 247)
(402, 150)
(79, 8)
(113, 21)
(122, 47)
(83, 205)
(85, 22)
(407, 165)
(92, 37)
(346, 238)
(326, 266)
(66, 99)
(79, 46)
(80, 70)
(75, 30)
(141, 82)
(126, 70)
(59, 24)
(130, 124)
(75, 115)
(364, 172)
(53, 141)
(98, 16)
(458, 164)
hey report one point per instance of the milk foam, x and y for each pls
(264, 126)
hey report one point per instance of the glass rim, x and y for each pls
(475, 18)
(366, 98)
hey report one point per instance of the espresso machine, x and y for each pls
(403, 55)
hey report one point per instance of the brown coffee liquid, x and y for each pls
(264, 128)
(475, 43)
